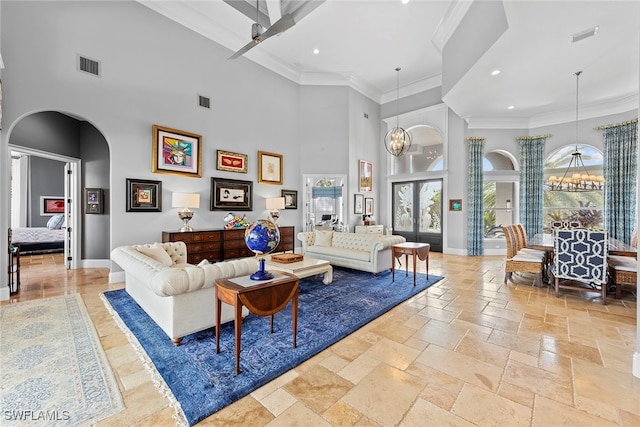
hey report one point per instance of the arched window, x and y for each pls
(500, 178)
(584, 207)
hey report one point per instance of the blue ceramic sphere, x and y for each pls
(262, 236)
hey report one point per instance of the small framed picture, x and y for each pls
(358, 204)
(176, 152)
(269, 168)
(290, 198)
(144, 195)
(368, 206)
(231, 162)
(365, 176)
(93, 201)
(51, 205)
(455, 204)
(231, 194)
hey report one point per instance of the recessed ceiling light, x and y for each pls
(495, 72)
(316, 51)
(511, 107)
(405, 1)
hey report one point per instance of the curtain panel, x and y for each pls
(620, 173)
(531, 183)
(475, 215)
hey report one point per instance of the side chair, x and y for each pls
(519, 260)
(581, 256)
(623, 270)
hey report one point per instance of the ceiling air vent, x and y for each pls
(584, 34)
(89, 65)
(204, 102)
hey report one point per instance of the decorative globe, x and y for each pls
(262, 237)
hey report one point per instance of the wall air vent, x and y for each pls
(584, 34)
(204, 102)
(89, 65)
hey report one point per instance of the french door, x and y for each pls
(417, 211)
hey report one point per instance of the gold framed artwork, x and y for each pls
(269, 168)
(368, 206)
(365, 176)
(176, 152)
(144, 195)
(231, 162)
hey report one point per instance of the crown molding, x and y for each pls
(412, 89)
(340, 79)
(450, 22)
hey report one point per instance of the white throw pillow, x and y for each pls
(157, 252)
(203, 262)
(55, 222)
(323, 238)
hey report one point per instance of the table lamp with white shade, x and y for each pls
(273, 204)
(185, 201)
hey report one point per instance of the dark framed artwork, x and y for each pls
(231, 162)
(231, 194)
(176, 152)
(51, 205)
(93, 202)
(455, 205)
(368, 206)
(269, 168)
(358, 204)
(290, 198)
(144, 195)
(365, 176)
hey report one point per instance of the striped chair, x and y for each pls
(581, 256)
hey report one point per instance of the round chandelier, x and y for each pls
(397, 141)
(576, 177)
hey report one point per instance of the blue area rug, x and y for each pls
(204, 382)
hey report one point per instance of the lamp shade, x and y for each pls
(185, 200)
(275, 203)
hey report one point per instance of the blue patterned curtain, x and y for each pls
(620, 173)
(475, 217)
(531, 182)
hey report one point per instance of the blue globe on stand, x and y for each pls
(262, 237)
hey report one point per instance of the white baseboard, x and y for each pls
(636, 364)
(5, 293)
(454, 251)
(116, 277)
(95, 263)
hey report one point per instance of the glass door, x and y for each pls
(417, 211)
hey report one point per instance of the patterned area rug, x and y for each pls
(53, 370)
(200, 382)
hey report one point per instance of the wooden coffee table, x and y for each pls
(264, 298)
(421, 250)
(305, 268)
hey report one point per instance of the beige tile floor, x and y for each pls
(467, 351)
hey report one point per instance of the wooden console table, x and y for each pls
(219, 245)
(264, 298)
(421, 250)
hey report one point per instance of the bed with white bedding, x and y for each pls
(40, 239)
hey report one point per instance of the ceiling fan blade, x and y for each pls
(280, 26)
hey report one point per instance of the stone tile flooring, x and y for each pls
(467, 351)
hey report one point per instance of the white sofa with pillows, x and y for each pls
(178, 296)
(360, 251)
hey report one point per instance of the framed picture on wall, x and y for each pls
(368, 206)
(231, 162)
(455, 205)
(231, 194)
(93, 201)
(358, 204)
(365, 175)
(51, 205)
(144, 195)
(290, 198)
(176, 152)
(269, 168)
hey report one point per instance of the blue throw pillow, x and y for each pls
(55, 222)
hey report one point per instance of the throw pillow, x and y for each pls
(203, 262)
(55, 222)
(323, 238)
(157, 252)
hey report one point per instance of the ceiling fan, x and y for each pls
(259, 34)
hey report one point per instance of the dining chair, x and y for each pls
(580, 255)
(519, 261)
(623, 270)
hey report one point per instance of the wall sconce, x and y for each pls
(185, 201)
(275, 203)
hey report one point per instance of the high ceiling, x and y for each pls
(361, 42)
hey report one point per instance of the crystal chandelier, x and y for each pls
(397, 141)
(576, 177)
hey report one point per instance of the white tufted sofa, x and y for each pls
(178, 296)
(360, 251)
